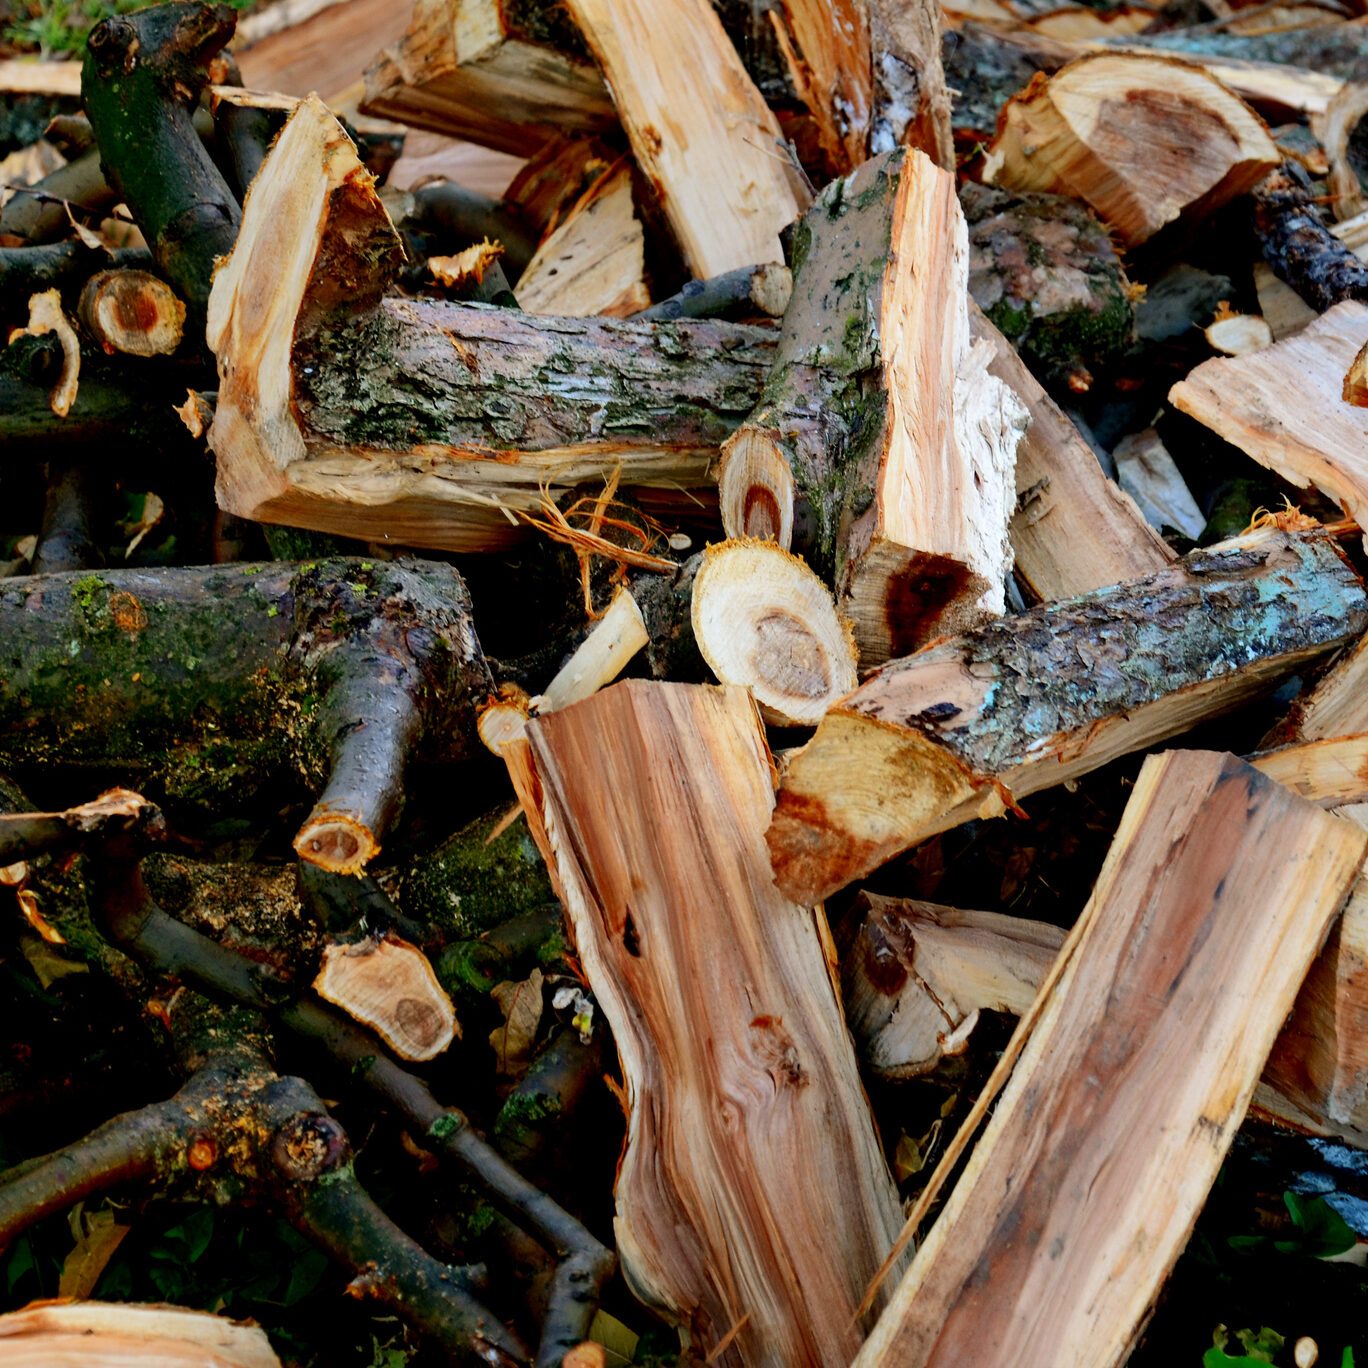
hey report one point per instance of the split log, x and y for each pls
(422, 421)
(184, 678)
(966, 728)
(1140, 139)
(882, 450)
(387, 984)
(505, 76)
(917, 975)
(1073, 529)
(764, 621)
(1299, 246)
(1216, 875)
(1146, 471)
(1329, 771)
(117, 1335)
(911, 105)
(594, 261)
(1355, 388)
(132, 312)
(753, 1203)
(699, 129)
(142, 77)
(1284, 406)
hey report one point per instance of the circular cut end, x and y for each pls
(133, 312)
(1236, 334)
(755, 488)
(337, 843)
(501, 723)
(763, 619)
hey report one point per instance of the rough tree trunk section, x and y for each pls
(1216, 876)
(911, 102)
(701, 133)
(214, 682)
(507, 76)
(965, 728)
(1140, 139)
(753, 1196)
(1073, 529)
(1285, 407)
(429, 422)
(882, 450)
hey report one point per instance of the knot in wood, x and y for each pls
(202, 1154)
(308, 1146)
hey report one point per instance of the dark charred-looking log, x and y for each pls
(1299, 246)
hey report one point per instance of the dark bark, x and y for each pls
(143, 75)
(64, 266)
(67, 538)
(1298, 245)
(535, 1116)
(742, 293)
(459, 216)
(213, 682)
(39, 212)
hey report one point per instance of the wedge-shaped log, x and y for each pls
(1217, 875)
(917, 975)
(214, 682)
(426, 422)
(1073, 529)
(507, 76)
(753, 1197)
(700, 130)
(965, 728)
(882, 449)
(1141, 139)
(1285, 406)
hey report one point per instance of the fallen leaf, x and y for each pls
(521, 1004)
(95, 1246)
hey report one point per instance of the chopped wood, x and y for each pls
(911, 102)
(701, 133)
(132, 312)
(594, 261)
(338, 407)
(387, 984)
(1329, 771)
(1237, 334)
(1355, 389)
(121, 1335)
(764, 289)
(763, 620)
(506, 77)
(1285, 406)
(899, 404)
(917, 974)
(614, 639)
(753, 1203)
(1073, 529)
(1340, 122)
(1140, 139)
(968, 727)
(1146, 471)
(1216, 875)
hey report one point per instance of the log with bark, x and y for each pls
(968, 727)
(1113, 1127)
(753, 1203)
(882, 450)
(424, 422)
(216, 681)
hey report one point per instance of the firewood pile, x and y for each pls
(736, 626)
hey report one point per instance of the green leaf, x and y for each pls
(1325, 1232)
(194, 1233)
(304, 1276)
(20, 1262)
(1347, 1358)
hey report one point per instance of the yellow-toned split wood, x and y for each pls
(763, 620)
(700, 131)
(1355, 390)
(1142, 139)
(123, 1335)
(1215, 872)
(46, 316)
(752, 1200)
(1285, 406)
(594, 261)
(388, 985)
(469, 69)
(612, 642)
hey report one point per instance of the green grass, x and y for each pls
(58, 28)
